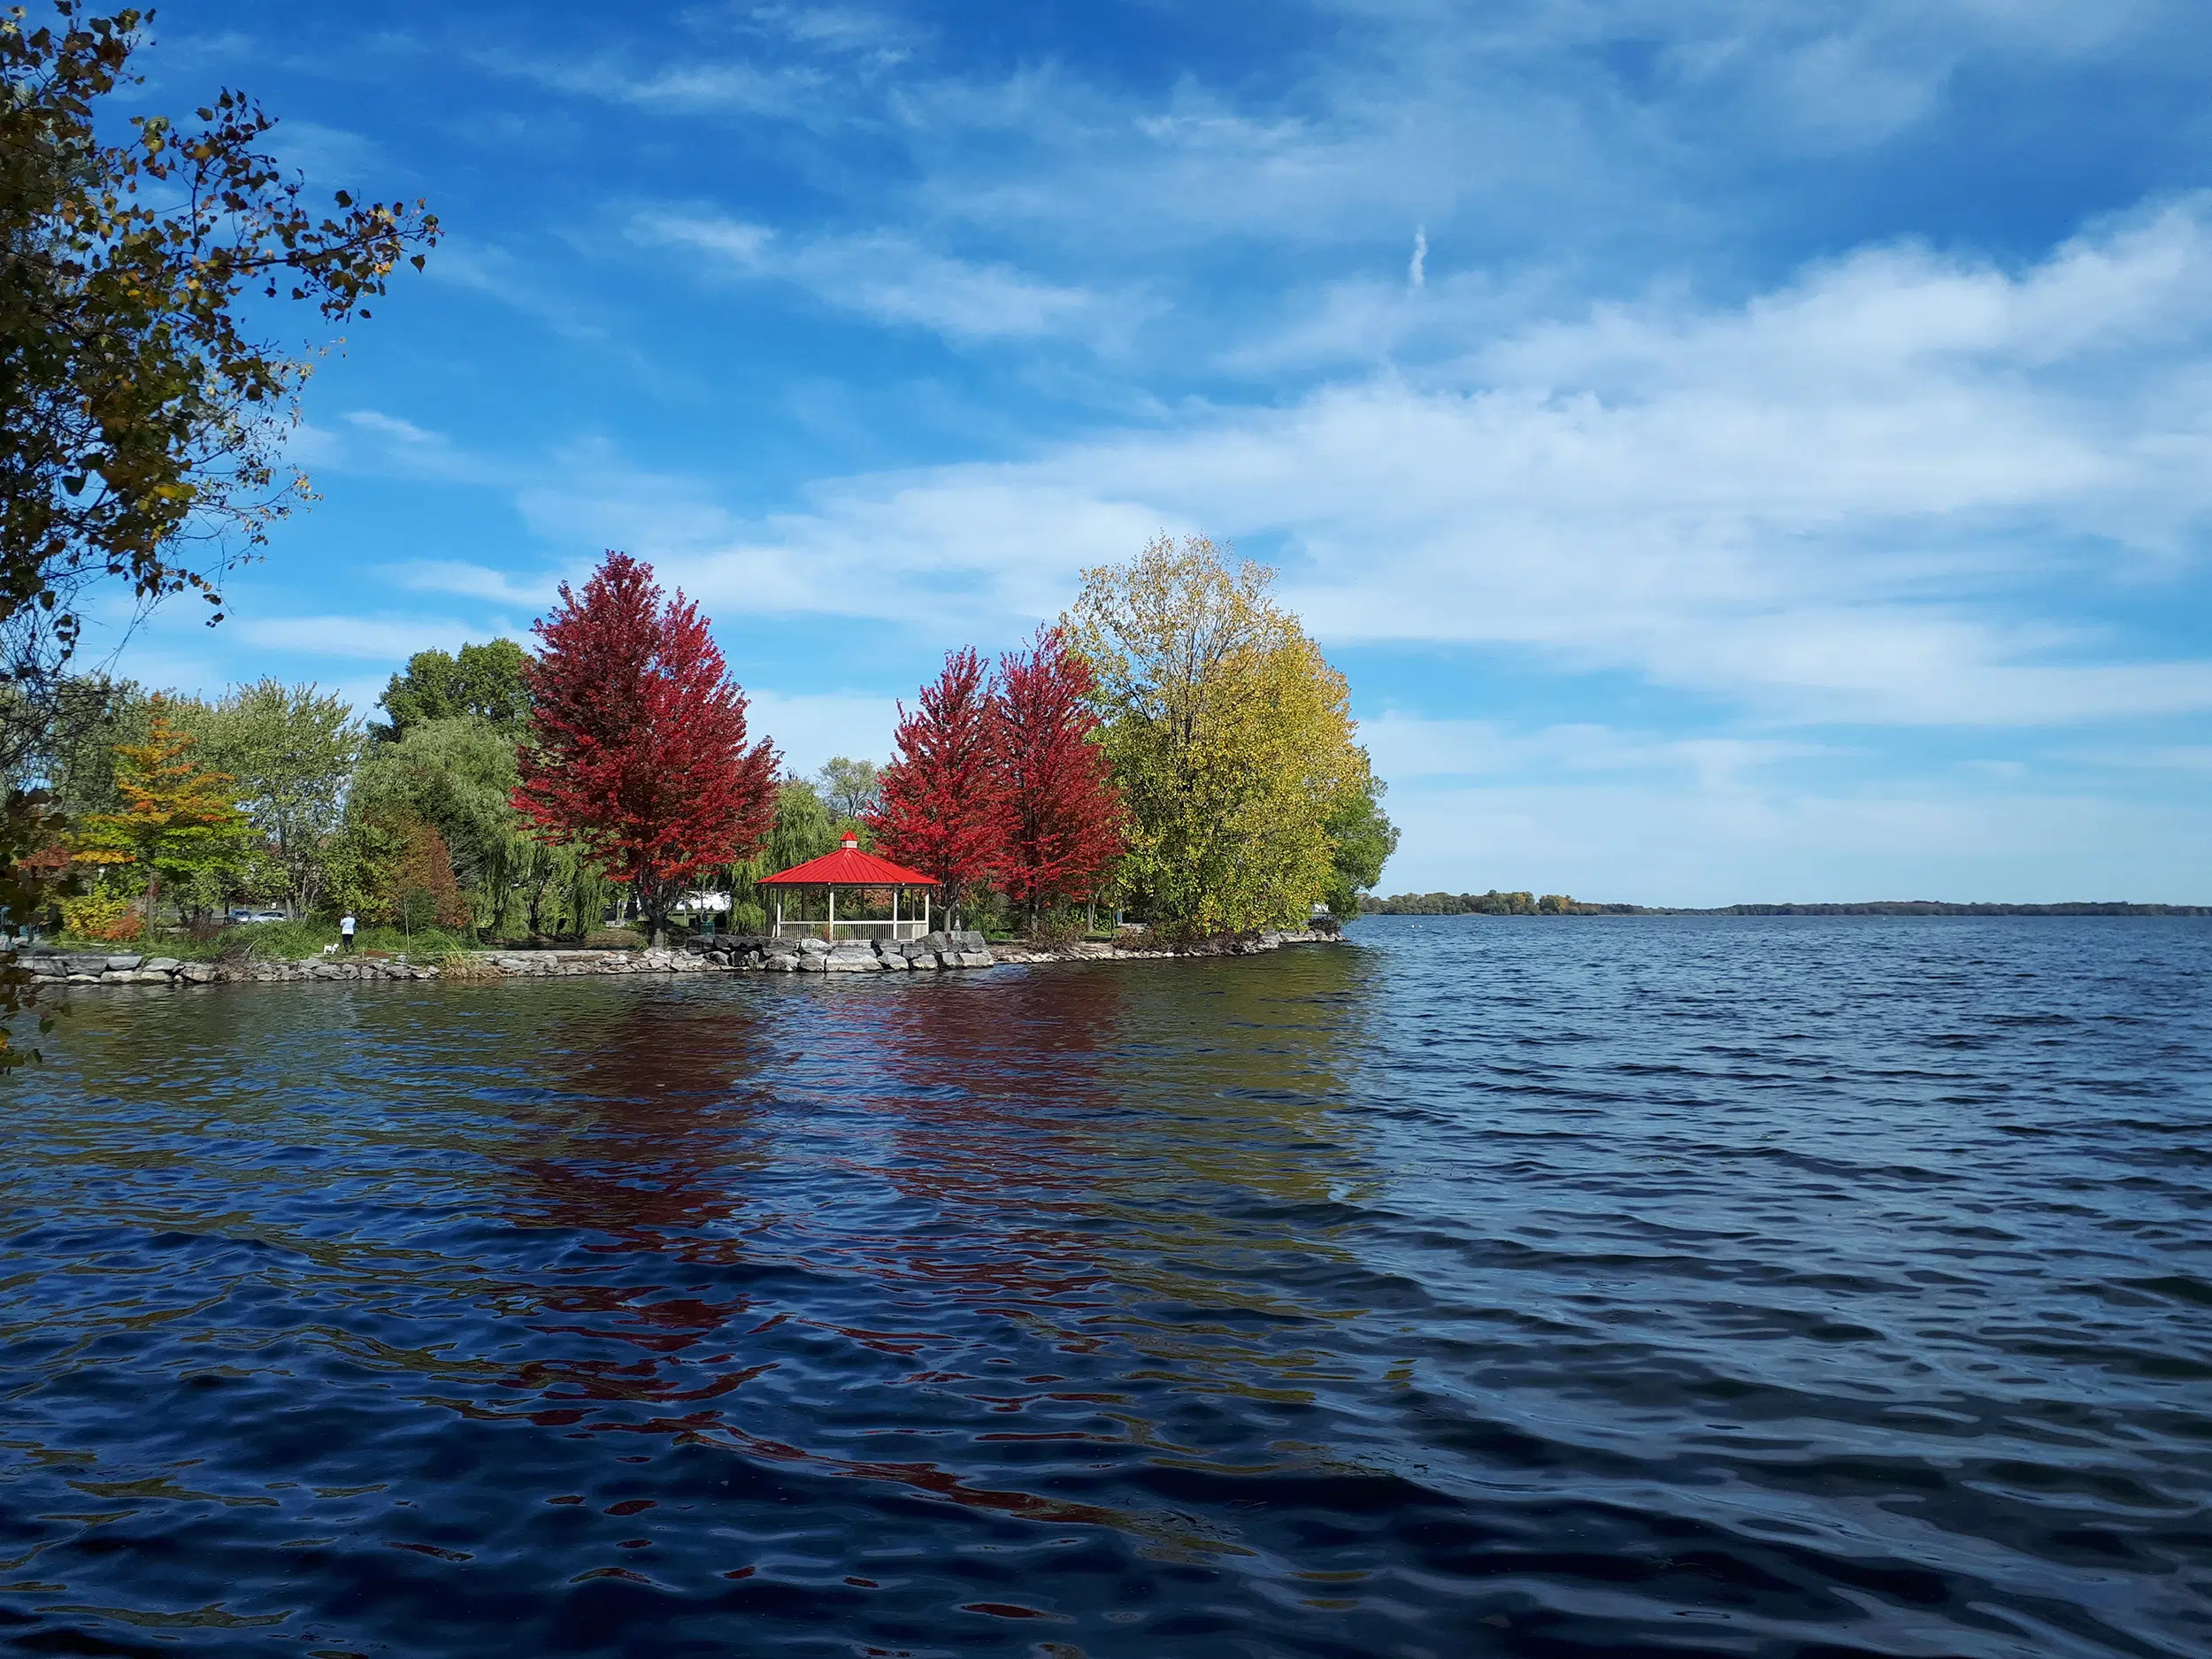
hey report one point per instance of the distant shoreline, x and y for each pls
(1410, 904)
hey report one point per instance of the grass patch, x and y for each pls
(614, 939)
(273, 942)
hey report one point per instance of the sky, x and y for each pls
(1737, 451)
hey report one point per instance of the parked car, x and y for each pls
(258, 916)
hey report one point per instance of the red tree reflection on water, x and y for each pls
(771, 1189)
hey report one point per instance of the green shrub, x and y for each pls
(1057, 930)
(103, 916)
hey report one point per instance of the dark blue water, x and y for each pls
(1548, 1288)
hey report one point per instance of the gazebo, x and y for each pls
(848, 867)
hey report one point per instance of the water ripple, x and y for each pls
(1800, 1287)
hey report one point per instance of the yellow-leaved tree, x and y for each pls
(1231, 736)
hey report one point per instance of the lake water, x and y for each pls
(1789, 1286)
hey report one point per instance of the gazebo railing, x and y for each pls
(841, 928)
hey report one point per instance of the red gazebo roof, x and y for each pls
(848, 867)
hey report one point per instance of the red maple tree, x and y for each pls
(940, 805)
(637, 746)
(1063, 819)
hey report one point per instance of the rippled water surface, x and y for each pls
(1554, 1287)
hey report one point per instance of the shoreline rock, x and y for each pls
(1234, 945)
(936, 952)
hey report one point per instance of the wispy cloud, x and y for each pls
(395, 426)
(373, 637)
(1833, 503)
(494, 272)
(475, 582)
(893, 280)
(727, 87)
(1405, 747)
(327, 155)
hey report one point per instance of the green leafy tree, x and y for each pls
(1230, 735)
(484, 681)
(1363, 838)
(850, 789)
(33, 864)
(357, 861)
(292, 750)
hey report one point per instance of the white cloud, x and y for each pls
(475, 582)
(844, 31)
(373, 637)
(326, 155)
(396, 427)
(1836, 502)
(698, 86)
(1408, 748)
(893, 280)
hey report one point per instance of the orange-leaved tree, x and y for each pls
(177, 817)
(419, 886)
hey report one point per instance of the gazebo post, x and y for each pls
(895, 916)
(779, 912)
(832, 920)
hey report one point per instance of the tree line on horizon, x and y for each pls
(1496, 903)
(1175, 746)
(1491, 903)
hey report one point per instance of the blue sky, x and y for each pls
(1737, 449)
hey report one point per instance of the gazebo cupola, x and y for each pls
(860, 875)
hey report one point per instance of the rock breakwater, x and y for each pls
(935, 952)
(55, 967)
(1234, 945)
(932, 952)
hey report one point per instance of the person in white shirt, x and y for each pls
(345, 931)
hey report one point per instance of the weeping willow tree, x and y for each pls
(556, 891)
(804, 829)
(589, 894)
